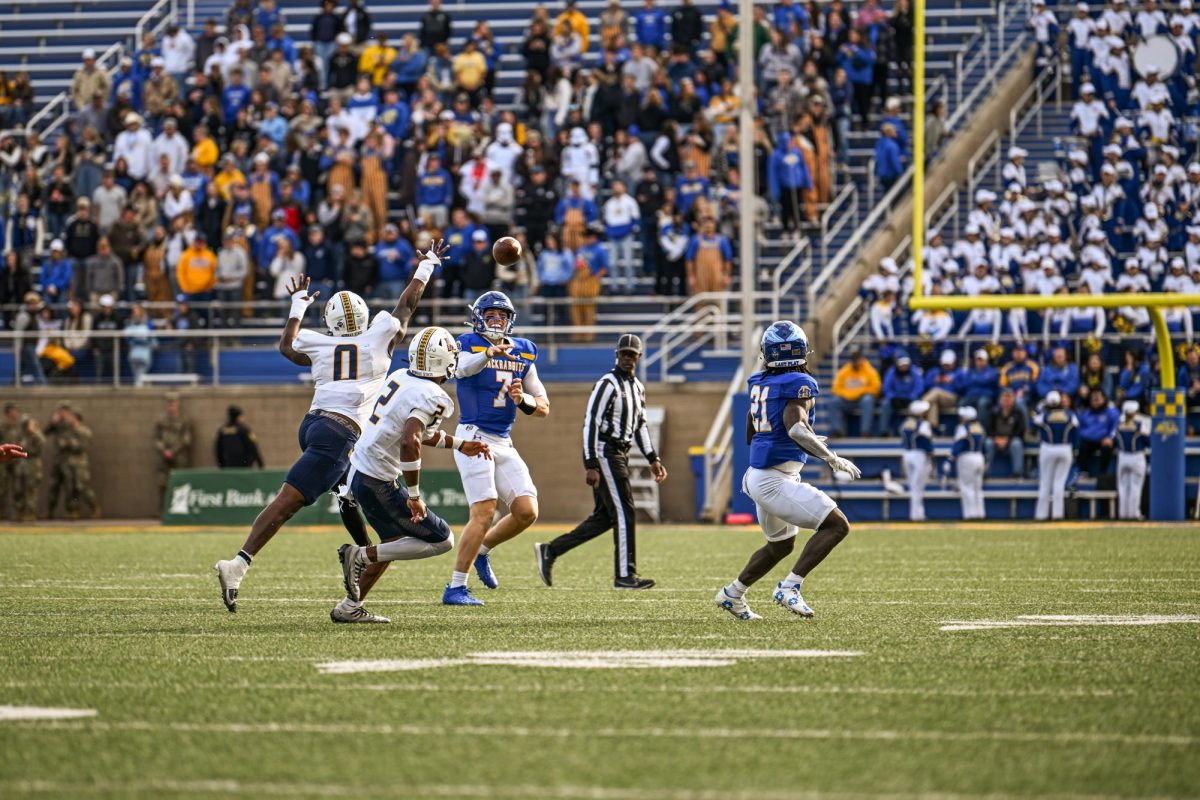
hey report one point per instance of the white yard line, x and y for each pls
(279, 789)
(26, 713)
(342, 729)
(1067, 620)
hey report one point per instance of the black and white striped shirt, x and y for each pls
(616, 414)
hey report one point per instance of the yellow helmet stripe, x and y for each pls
(351, 322)
(425, 337)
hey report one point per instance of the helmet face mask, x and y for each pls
(497, 302)
(433, 353)
(784, 346)
(346, 314)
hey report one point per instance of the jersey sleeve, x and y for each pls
(306, 342)
(532, 383)
(799, 385)
(385, 324)
(431, 408)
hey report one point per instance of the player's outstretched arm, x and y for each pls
(411, 295)
(410, 465)
(301, 300)
(795, 417)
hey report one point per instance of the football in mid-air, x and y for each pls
(506, 251)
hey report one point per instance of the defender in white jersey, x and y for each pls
(405, 416)
(349, 365)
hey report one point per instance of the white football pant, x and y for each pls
(970, 484)
(1054, 462)
(916, 472)
(1131, 475)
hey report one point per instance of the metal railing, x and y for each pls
(989, 153)
(718, 453)
(832, 222)
(781, 287)
(964, 64)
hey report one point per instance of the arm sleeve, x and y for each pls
(597, 405)
(470, 364)
(532, 383)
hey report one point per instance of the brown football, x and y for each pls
(506, 251)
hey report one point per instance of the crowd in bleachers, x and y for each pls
(214, 167)
(1115, 211)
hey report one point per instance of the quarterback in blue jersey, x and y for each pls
(497, 376)
(780, 433)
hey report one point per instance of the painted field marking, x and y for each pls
(580, 659)
(25, 713)
(822, 734)
(1066, 620)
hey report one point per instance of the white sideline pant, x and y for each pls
(1131, 475)
(970, 484)
(1054, 462)
(916, 472)
(785, 503)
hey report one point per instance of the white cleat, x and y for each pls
(230, 574)
(792, 601)
(343, 612)
(354, 561)
(735, 605)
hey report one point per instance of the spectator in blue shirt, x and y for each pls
(889, 160)
(435, 192)
(689, 186)
(650, 26)
(236, 95)
(555, 267)
(788, 176)
(266, 242)
(321, 262)
(1097, 430)
(902, 384)
(268, 15)
(979, 385)
(395, 256)
(1059, 375)
(57, 274)
(1134, 381)
(790, 18)
(858, 59)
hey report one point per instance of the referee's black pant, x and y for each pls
(614, 511)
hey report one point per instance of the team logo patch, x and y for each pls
(805, 392)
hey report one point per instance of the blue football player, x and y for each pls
(497, 377)
(779, 430)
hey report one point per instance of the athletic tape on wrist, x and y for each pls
(300, 303)
(410, 466)
(425, 270)
(414, 492)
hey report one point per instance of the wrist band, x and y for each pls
(414, 492)
(300, 302)
(528, 404)
(446, 441)
(410, 466)
(459, 447)
(425, 270)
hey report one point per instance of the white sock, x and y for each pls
(736, 589)
(484, 549)
(792, 580)
(458, 579)
(349, 603)
(407, 548)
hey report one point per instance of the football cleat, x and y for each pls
(354, 561)
(459, 596)
(483, 568)
(230, 575)
(545, 562)
(346, 613)
(735, 605)
(633, 582)
(791, 600)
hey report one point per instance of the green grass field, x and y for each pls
(192, 701)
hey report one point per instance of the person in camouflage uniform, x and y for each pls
(23, 475)
(173, 439)
(70, 470)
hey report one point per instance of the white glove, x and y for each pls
(839, 464)
(300, 303)
(429, 263)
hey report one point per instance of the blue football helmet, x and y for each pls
(485, 302)
(784, 345)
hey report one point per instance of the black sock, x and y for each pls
(244, 556)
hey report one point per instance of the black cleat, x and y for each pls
(633, 582)
(545, 562)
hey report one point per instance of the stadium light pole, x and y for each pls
(747, 234)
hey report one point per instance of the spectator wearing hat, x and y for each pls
(591, 267)
(26, 326)
(105, 348)
(1020, 376)
(856, 388)
(709, 260)
(979, 386)
(342, 69)
(177, 200)
(160, 90)
(196, 272)
(88, 81)
(1089, 116)
(889, 160)
(135, 146)
(967, 452)
(1080, 30)
(942, 384)
(903, 383)
(916, 440)
(236, 445)
(82, 233)
(264, 189)
(478, 267)
(268, 242)
(58, 273)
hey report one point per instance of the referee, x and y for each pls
(616, 417)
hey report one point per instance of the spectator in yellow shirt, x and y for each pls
(573, 18)
(228, 176)
(377, 59)
(196, 272)
(855, 388)
(470, 69)
(205, 151)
